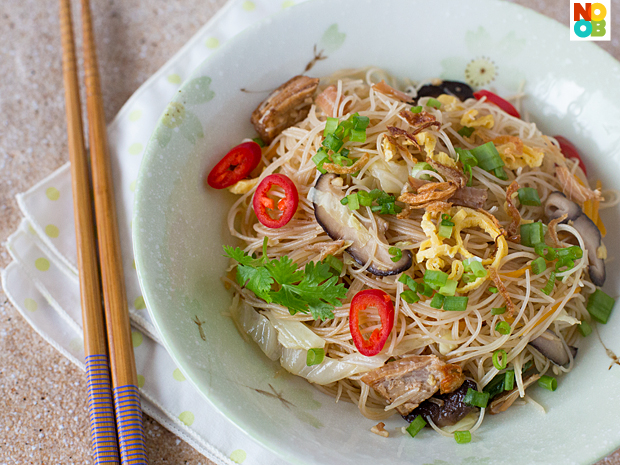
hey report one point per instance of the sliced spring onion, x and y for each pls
(548, 289)
(408, 281)
(548, 253)
(449, 288)
(319, 159)
(410, 297)
(427, 290)
(500, 359)
(396, 253)
(548, 382)
(573, 252)
(487, 156)
(344, 201)
(532, 234)
(330, 126)
(462, 437)
(315, 356)
(502, 327)
(358, 135)
(446, 217)
(435, 279)
(416, 426)
(509, 380)
(419, 167)
(500, 173)
(468, 278)
(466, 131)
(584, 328)
(493, 290)
(564, 264)
(477, 269)
(538, 265)
(341, 160)
(417, 109)
(334, 263)
(259, 141)
(433, 102)
(529, 196)
(437, 301)
(466, 157)
(332, 142)
(600, 306)
(360, 123)
(498, 311)
(444, 230)
(455, 303)
(365, 198)
(354, 201)
(476, 399)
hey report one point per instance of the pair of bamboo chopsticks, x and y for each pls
(114, 409)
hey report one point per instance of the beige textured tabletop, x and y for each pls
(43, 417)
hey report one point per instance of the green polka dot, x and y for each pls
(238, 456)
(52, 193)
(174, 79)
(176, 374)
(136, 338)
(287, 3)
(139, 303)
(135, 115)
(212, 42)
(52, 231)
(42, 264)
(248, 6)
(140, 381)
(187, 417)
(135, 149)
(31, 305)
(132, 186)
(31, 229)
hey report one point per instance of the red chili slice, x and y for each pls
(570, 151)
(383, 303)
(235, 166)
(287, 205)
(497, 100)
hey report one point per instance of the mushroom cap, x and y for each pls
(552, 347)
(459, 89)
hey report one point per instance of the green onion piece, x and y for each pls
(498, 311)
(435, 279)
(428, 291)
(344, 201)
(315, 356)
(360, 122)
(410, 297)
(584, 328)
(358, 135)
(466, 157)
(341, 159)
(468, 278)
(600, 306)
(532, 234)
(449, 288)
(529, 196)
(332, 142)
(573, 252)
(487, 156)
(466, 265)
(466, 131)
(476, 399)
(334, 263)
(444, 231)
(462, 437)
(446, 217)
(538, 265)
(548, 382)
(396, 253)
(500, 359)
(417, 109)
(416, 426)
(493, 290)
(354, 201)
(419, 167)
(437, 301)
(319, 159)
(509, 380)
(365, 198)
(566, 263)
(548, 289)
(477, 268)
(433, 102)
(408, 281)
(502, 327)
(500, 173)
(548, 253)
(259, 141)
(455, 303)
(330, 126)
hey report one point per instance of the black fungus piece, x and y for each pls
(459, 89)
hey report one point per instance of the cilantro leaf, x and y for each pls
(239, 255)
(258, 280)
(284, 270)
(287, 297)
(317, 273)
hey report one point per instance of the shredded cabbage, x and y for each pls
(258, 327)
(296, 335)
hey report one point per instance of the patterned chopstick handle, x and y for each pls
(101, 410)
(130, 427)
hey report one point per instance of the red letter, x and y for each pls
(581, 11)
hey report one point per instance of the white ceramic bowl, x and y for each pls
(179, 227)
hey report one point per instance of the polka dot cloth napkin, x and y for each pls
(42, 281)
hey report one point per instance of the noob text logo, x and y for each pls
(590, 21)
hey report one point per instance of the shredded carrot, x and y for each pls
(514, 274)
(553, 309)
(588, 209)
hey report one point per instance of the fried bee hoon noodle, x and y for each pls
(382, 260)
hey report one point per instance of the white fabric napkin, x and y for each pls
(42, 280)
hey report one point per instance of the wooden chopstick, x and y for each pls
(122, 363)
(100, 405)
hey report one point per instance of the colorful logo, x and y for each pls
(590, 21)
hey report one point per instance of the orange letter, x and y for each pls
(602, 12)
(581, 11)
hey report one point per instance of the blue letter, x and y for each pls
(587, 31)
